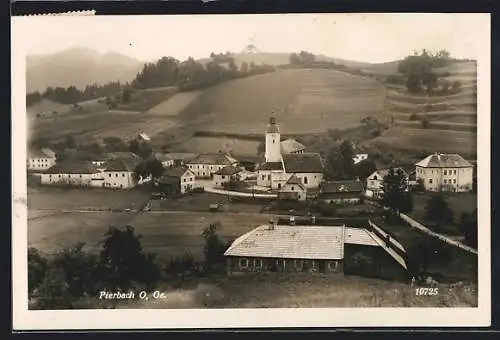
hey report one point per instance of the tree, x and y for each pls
(214, 248)
(395, 192)
(126, 95)
(364, 169)
(37, 267)
(70, 142)
(244, 67)
(340, 162)
(437, 210)
(53, 292)
(123, 262)
(294, 59)
(468, 226)
(420, 256)
(114, 144)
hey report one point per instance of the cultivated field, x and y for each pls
(213, 144)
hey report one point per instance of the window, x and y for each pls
(279, 185)
(223, 177)
(332, 265)
(293, 188)
(268, 177)
(454, 181)
(430, 180)
(305, 179)
(375, 177)
(445, 172)
(454, 172)
(123, 175)
(243, 263)
(259, 263)
(184, 180)
(263, 177)
(80, 176)
(116, 175)
(109, 175)
(273, 141)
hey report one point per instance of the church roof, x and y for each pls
(291, 145)
(301, 163)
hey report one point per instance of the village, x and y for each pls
(316, 225)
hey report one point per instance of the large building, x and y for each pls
(278, 168)
(341, 192)
(325, 249)
(119, 174)
(41, 159)
(79, 174)
(206, 164)
(176, 180)
(445, 172)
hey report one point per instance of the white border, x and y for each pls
(23, 319)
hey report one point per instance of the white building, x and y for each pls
(80, 174)
(177, 180)
(445, 172)
(374, 182)
(174, 159)
(341, 192)
(118, 174)
(205, 165)
(41, 159)
(293, 189)
(225, 175)
(277, 169)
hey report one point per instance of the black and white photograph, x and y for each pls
(221, 168)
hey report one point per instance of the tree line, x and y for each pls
(73, 95)
(61, 280)
(192, 75)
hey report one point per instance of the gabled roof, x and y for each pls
(213, 159)
(271, 166)
(174, 156)
(439, 160)
(294, 180)
(43, 153)
(301, 163)
(176, 172)
(291, 145)
(228, 170)
(294, 242)
(384, 172)
(121, 165)
(341, 187)
(72, 167)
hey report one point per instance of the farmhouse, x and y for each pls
(41, 159)
(176, 180)
(374, 182)
(205, 165)
(340, 192)
(170, 159)
(284, 248)
(278, 167)
(225, 175)
(291, 146)
(445, 172)
(118, 173)
(72, 173)
(293, 189)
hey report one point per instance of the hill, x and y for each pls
(78, 67)
(451, 119)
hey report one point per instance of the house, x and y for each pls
(171, 159)
(445, 172)
(225, 175)
(176, 180)
(206, 164)
(80, 174)
(374, 182)
(109, 156)
(285, 248)
(278, 167)
(119, 174)
(41, 159)
(293, 189)
(340, 192)
(359, 157)
(291, 146)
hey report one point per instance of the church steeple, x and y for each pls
(273, 146)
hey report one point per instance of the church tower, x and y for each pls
(273, 146)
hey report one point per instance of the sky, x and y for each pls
(360, 37)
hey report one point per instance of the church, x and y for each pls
(280, 165)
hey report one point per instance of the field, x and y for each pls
(268, 290)
(452, 118)
(213, 144)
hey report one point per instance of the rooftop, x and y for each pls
(176, 172)
(121, 165)
(213, 159)
(299, 242)
(272, 127)
(72, 167)
(271, 166)
(385, 172)
(296, 181)
(42, 153)
(228, 170)
(301, 163)
(173, 156)
(440, 160)
(342, 186)
(290, 146)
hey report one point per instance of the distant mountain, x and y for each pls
(78, 67)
